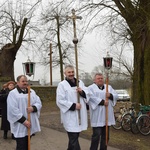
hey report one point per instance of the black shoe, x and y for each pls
(5, 136)
(12, 136)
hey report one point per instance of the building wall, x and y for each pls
(46, 93)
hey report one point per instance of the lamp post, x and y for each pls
(29, 68)
(107, 66)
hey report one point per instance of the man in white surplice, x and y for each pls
(97, 105)
(17, 112)
(67, 101)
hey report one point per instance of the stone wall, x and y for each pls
(121, 104)
(46, 93)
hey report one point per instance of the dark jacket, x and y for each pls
(5, 125)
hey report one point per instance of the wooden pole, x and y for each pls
(29, 118)
(51, 82)
(106, 115)
(75, 41)
(107, 65)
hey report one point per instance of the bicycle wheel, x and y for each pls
(143, 124)
(134, 128)
(126, 122)
(118, 118)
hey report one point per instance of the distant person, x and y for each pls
(2, 90)
(67, 101)
(5, 125)
(18, 110)
(97, 105)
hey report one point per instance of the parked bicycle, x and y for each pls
(127, 119)
(134, 128)
(118, 117)
(143, 121)
(124, 109)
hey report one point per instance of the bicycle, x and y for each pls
(127, 119)
(118, 118)
(143, 121)
(123, 109)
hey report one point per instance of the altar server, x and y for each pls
(73, 113)
(97, 105)
(17, 112)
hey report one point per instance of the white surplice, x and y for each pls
(97, 112)
(66, 96)
(17, 104)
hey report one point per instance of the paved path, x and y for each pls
(47, 139)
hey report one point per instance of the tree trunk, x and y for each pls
(138, 20)
(7, 58)
(60, 50)
(8, 54)
(141, 80)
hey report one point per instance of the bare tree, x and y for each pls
(129, 23)
(124, 68)
(15, 28)
(86, 78)
(59, 31)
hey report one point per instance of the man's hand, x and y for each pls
(78, 106)
(30, 109)
(106, 103)
(79, 90)
(27, 124)
(107, 94)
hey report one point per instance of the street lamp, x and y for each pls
(29, 67)
(108, 62)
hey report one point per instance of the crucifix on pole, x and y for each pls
(75, 41)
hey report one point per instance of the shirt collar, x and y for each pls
(72, 84)
(22, 91)
(100, 87)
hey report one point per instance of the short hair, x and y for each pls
(18, 78)
(97, 74)
(68, 66)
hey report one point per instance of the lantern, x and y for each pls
(29, 67)
(107, 62)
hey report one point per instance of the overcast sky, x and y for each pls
(94, 47)
(93, 51)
